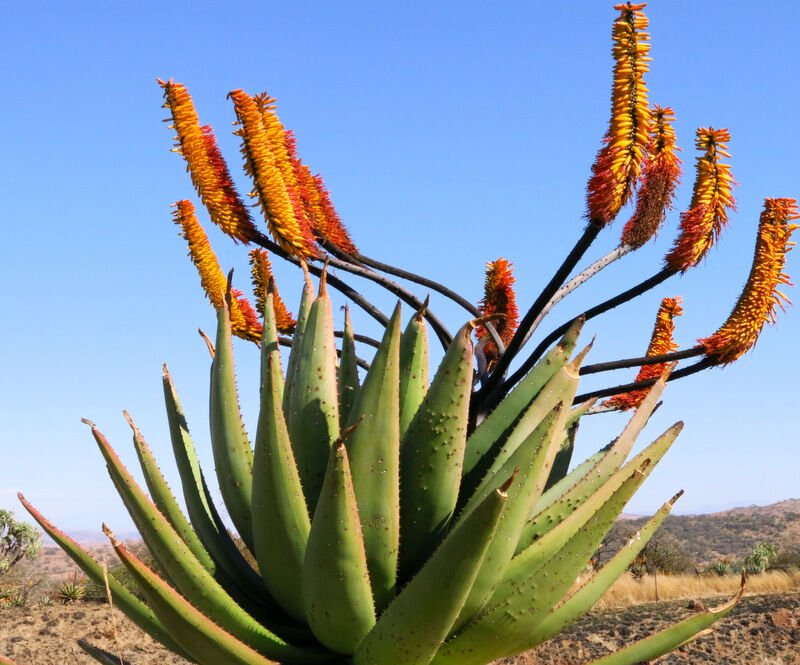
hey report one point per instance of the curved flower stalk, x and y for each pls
(712, 197)
(498, 298)
(244, 320)
(661, 343)
(761, 296)
(206, 165)
(618, 165)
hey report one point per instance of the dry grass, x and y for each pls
(628, 591)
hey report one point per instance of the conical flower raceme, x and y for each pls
(274, 196)
(712, 197)
(325, 221)
(662, 173)
(499, 298)
(661, 342)
(261, 272)
(618, 165)
(244, 320)
(206, 166)
(761, 296)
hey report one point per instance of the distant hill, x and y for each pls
(730, 533)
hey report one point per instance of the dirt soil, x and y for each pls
(763, 630)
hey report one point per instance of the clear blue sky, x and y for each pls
(449, 134)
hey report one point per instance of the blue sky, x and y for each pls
(448, 135)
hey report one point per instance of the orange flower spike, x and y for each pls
(269, 185)
(322, 216)
(206, 166)
(499, 298)
(335, 231)
(761, 296)
(244, 322)
(618, 165)
(261, 272)
(661, 342)
(212, 278)
(712, 197)
(661, 175)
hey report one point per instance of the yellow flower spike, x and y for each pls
(273, 194)
(261, 272)
(244, 322)
(618, 165)
(761, 297)
(661, 175)
(661, 342)
(712, 197)
(207, 167)
(499, 298)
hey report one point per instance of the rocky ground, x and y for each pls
(763, 630)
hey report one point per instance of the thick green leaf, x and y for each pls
(670, 638)
(336, 587)
(416, 623)
(529, 465)
(164, 499)
(553, 514)
(348, 370)
(373, 449)
(133, 608)
(483, 444)
(233, 456)
(280, 517)
(312, 406)
(201, 638)
(432, 453)
(186, 573)
(413, 368)
(584, 595)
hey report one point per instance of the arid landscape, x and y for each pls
(763, 630)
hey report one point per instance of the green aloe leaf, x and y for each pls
(233, 456)
(583, 596)
(414, 368)
(281, 523)
(204, 641)
(311, 406)
(416, 623)
(186, 573)
(432, 453)
(529, 466)
(373, 449)
(165, 500)
(671, 638)
(348, 369)
(336, 587)
(133, 608)
(199, 504)
(483, 444)
(553, 514)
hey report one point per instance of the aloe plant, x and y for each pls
(397, 518)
